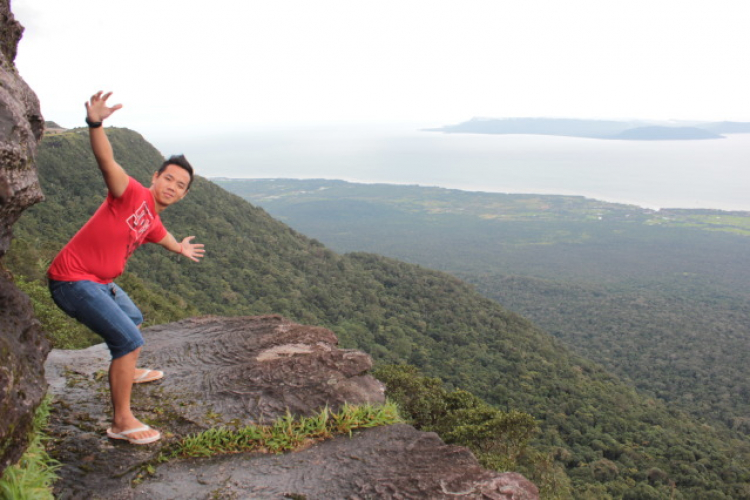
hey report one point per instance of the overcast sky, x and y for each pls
(207, 66)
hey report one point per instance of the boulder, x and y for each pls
(237, 371)
(23, 347)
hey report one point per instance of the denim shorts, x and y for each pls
(105, 309)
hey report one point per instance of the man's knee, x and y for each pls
(127, 305)
(121, 350)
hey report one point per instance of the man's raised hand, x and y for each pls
(97, 109)
(193, 251)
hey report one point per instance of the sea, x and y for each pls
(712, 174)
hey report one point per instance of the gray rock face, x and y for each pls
(22, 345)
(219, 371)
(226, 371)
(21, 129)
(253, 370)
(238, 370)
(394, 462)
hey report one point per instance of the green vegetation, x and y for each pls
(662, 299)
(688, 351)
(32, 477)
(302, 202)
(285, 434)
(499, 440)
(713, 220)
(659, 298)
(607, 439)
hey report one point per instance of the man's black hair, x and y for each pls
(181, 162)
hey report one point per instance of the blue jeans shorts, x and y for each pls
(105, 309)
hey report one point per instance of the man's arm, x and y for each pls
(114, 175)
(193, 251)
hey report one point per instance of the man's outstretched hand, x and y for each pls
(193, 251)
(97, 109)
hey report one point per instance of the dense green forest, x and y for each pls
(598, 433)
(660, 298)
(690, 352)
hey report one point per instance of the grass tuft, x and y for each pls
(285, 434)
(32, 477)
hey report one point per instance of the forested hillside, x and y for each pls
(611, 441)
(691, 352)
(660, 298)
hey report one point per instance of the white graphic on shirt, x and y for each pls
(140, 221)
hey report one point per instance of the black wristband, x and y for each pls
(93, 124)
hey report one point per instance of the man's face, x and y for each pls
(170, 186)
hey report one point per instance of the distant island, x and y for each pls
(635, 130)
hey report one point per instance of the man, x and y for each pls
(81, 276)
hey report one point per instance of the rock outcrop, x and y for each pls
(234, 371)
(23, 348)
(394, 462)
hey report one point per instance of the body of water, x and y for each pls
(654, 174)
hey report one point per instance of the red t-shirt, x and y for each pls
(99, 250)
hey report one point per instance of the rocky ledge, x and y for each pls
(234, 371)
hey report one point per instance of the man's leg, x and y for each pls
(98, 307)
(121, 373)
(124, 302)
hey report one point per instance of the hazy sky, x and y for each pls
(184, 65)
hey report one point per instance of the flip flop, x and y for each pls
(148, 376)
(125, 435)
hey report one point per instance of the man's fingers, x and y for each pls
(98, 107)
(91, 101)
(195, 250)
(101, 96)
